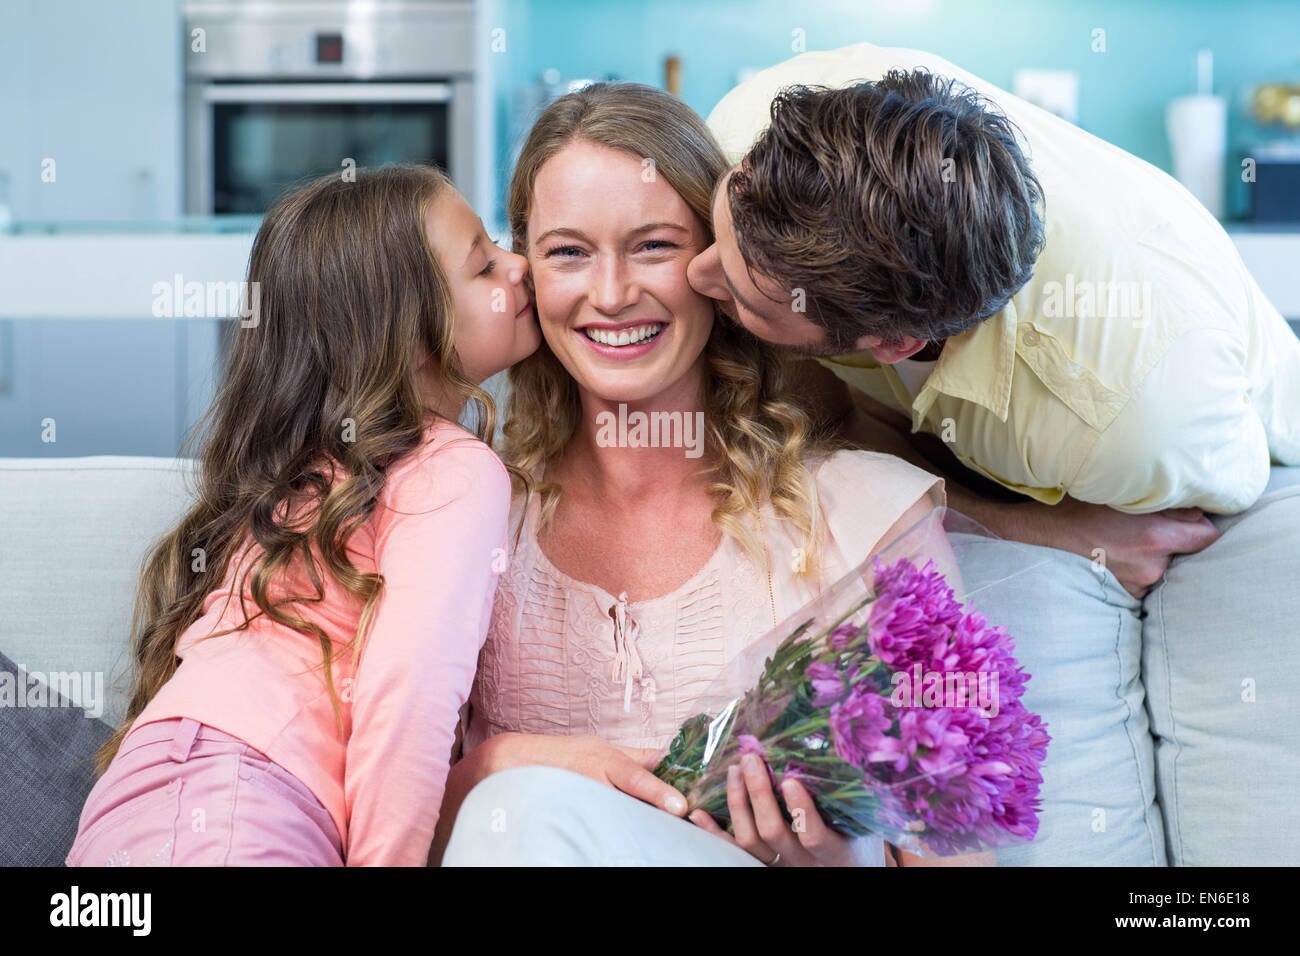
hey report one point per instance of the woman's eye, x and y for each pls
(657, 245)
(563, 252)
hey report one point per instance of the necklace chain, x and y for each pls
(771, 596)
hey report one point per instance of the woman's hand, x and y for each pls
(761, 830)
(623, 768)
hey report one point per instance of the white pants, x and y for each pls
(545, 816)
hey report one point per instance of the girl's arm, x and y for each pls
(446, 516)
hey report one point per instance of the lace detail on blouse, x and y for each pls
(566, 657)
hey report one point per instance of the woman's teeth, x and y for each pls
(633, 336)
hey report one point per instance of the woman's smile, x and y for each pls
(623, 340)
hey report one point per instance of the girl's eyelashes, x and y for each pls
(487, 269)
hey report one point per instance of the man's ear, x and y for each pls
(890, 352)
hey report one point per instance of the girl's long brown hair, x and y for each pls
(347, 295)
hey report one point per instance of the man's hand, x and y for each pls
(1137, 549)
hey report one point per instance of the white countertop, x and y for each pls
(85, 273)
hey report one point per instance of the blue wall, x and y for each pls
(1150, 49)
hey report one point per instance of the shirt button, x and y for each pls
(1030, 338)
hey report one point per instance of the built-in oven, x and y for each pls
(281, 92)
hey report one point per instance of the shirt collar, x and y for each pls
(974, 366)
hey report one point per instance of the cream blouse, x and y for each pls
(566, 657)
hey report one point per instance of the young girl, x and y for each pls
(307, 635)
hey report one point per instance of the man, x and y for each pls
(1005, 299)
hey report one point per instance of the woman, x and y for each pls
(638, 572)
(307, 634)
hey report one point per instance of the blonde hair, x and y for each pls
(759, 437)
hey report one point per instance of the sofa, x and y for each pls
(1175, 738)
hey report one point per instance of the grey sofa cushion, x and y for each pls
(1078, 634)
(46, 765)
(75, 532)
(1221, 643)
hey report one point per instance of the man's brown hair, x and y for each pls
(902, 206)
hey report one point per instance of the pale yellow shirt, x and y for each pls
(1140, 367)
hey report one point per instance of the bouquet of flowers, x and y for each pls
(896, 707)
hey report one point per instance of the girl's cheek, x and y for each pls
(500, 302)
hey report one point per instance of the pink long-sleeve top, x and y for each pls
(438, 537)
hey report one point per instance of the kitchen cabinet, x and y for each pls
(107, 386)
(91, 93)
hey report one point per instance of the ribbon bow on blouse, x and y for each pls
(627, 660)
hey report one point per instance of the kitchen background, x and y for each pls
(128, 158)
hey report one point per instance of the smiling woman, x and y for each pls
(628, 593)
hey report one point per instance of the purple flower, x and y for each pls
(827, 684)
(844, 635)
(914, 611)
(930, 739)
(858, 728)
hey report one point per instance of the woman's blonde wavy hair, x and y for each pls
(350, 296)
(759, 437)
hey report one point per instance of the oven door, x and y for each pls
(249, 142)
